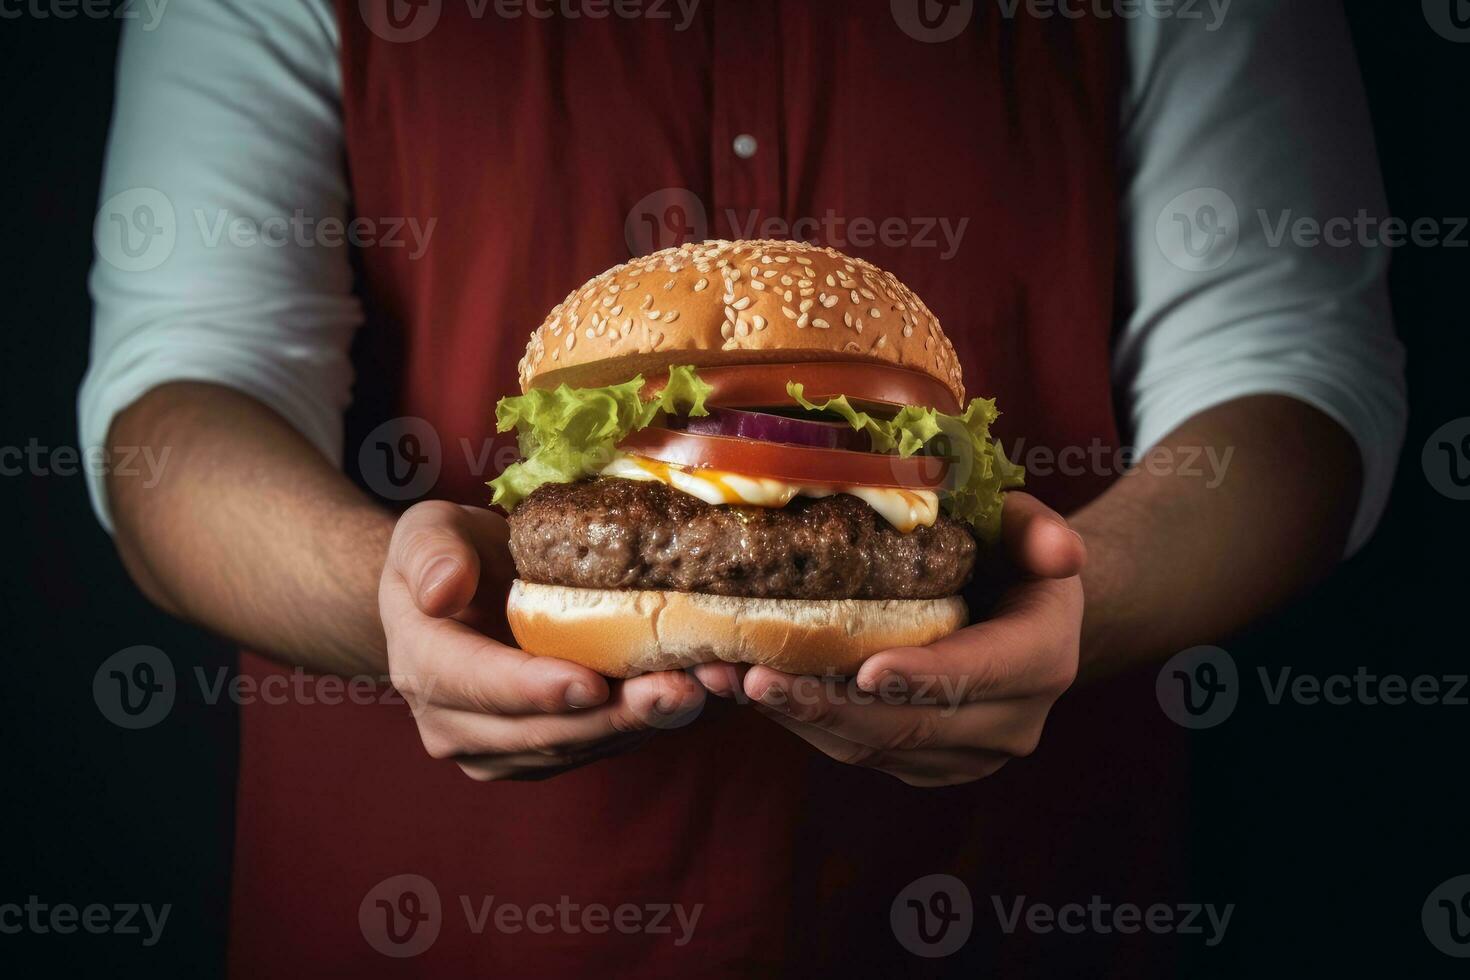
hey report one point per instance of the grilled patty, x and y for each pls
(609, 533)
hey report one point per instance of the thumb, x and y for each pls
(1039, 540)
(436, 550)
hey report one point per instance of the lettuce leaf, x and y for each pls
(569, 433)
(981, 470)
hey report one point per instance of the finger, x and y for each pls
(667, 699)
(720, 679)
(1039, 540)
(446, 663)
(436, 549)
(846, 711)
(1028, 649)
(930, 768)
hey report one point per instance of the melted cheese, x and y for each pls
(904, 509)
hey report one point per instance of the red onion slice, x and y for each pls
(773, 428)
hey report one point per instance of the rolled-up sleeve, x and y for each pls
(219, 252)
(1232, 136)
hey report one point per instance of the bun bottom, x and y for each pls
(621, 633)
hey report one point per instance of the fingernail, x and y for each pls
(434, 577)
(891, 682)
(579, 695)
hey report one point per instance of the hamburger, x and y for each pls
(757, 452)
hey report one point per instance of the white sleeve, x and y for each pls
(1226, 133)
(218, 243)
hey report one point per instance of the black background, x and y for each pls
(1327, 826)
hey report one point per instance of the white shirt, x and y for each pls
(233, 106)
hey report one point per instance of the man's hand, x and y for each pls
(956, 710)
(497, 711)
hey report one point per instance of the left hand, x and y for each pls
(959, 709)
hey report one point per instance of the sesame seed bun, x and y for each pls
(620, 633)
(719, 302)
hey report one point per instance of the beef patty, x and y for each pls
(610, 533)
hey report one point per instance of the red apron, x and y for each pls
(980, 170)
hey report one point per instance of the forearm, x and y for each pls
(1191, 555)
(249, 531)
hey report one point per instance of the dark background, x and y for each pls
(1327, 826)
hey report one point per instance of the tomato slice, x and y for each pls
(764, 385)
(795, 464)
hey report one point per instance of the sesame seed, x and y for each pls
(790, 313)
(742, 302)
(726, 329)
(757, 284)
(741, 327)
(806, 304)
(671, 315)
(821, 324)
(647, 301)
(758, 321)
(571, 340)
(874, 314)
(801, 321)
(700, 285)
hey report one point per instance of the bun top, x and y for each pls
(719, 302)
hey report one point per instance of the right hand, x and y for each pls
(498, 712)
